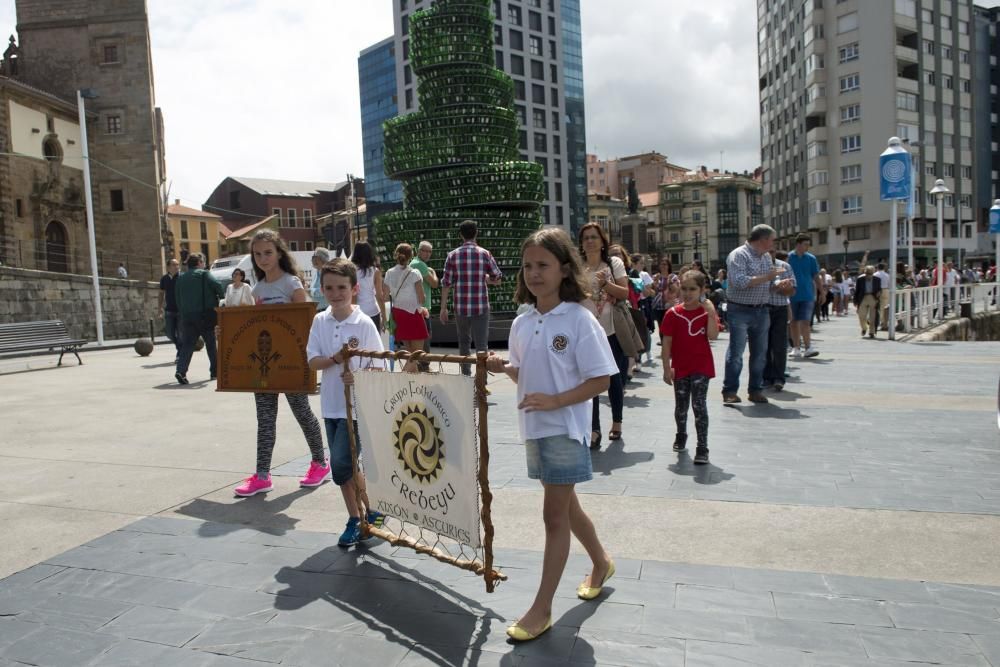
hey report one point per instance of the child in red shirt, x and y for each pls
(687, 358)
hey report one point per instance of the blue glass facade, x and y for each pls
(377, 83)
(576, 130)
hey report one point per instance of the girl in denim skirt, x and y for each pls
(560, 359)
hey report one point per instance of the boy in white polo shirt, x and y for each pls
(342, 323)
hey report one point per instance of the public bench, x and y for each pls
(45, 335)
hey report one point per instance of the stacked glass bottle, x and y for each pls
(458, 155)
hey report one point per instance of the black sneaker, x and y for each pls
(680, 442)
(181, 378)
(700, 455)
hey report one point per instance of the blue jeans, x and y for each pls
(171, 323)
(338, 439)
(192, 326)
(746, 324)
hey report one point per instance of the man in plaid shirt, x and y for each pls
(469, 269)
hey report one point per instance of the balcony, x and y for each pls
(906, 54)
(908, 85)
(816, 107)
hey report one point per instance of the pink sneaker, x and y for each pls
(253, 485)
(316, 475)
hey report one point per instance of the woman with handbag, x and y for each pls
(667, 287)
(608, 284)
(406, 290)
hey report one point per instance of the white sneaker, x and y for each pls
(797, 353)
(811, 352)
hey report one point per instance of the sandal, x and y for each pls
(615, 434)
(595, 443)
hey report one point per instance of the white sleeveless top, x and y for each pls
(366, 292)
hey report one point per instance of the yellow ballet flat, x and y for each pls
(585, 592)
(519, 634)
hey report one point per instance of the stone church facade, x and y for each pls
(64, 46)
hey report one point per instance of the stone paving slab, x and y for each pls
(113, 602)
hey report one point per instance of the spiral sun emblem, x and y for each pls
(560, 343)
(353, 342)
(418, 444)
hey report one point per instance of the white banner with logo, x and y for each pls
(419, 450)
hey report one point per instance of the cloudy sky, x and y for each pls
(269, 88)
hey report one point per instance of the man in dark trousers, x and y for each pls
(168, 303)
(198, 293)
(866, 299)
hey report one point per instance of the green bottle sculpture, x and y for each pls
(458, 155)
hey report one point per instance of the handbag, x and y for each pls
(625, 330)
(390, 325)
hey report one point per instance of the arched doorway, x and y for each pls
(56, 250)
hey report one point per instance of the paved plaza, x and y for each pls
(854, 520)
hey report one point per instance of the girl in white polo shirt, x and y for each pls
(560, 359)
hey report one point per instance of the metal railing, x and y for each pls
(919, 307)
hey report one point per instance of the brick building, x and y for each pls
(103, 45)
(241, 201)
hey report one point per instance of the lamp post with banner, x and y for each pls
(896, 176)
(995, 230)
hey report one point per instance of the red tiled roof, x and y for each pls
(177, 209)
(246, 228)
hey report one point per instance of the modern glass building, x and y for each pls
(538, 43)
(377, 79)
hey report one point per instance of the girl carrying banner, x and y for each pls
(560, 359)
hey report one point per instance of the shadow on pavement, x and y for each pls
(256, 512)
(165, 364)
(400, 605)
(614, 457)
(704, 474)
(767, 411)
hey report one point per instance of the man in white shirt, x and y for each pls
(883, 296)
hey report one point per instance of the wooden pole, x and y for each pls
(489, 574)
(365, 528)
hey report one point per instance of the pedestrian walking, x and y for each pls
(343, 323)
(238, 292)
(777, 337)
(866, 300)
(168, 303)
(608, 282)
(645, 303)
(197, 293)
(666, 289)
(883, 297)
(468, 271)
(430, 279)
(560, 360)
(687, 359)
(751, 273)
(371, 291)
(808, 289)
(406, 290)
(320, 257)
(278, 282)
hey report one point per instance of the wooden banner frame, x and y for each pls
(485, 569)
(276, 363)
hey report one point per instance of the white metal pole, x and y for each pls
(909, 235)
(98, 313)
(995, 210)
(893, 242)
(940, 255)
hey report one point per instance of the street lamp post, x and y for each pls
(939, 191)
(995, 230)
(81, 95)
(846, 244)
(697, 243)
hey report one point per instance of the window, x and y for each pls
(847, 23)
(850, 114)
(920, 229)
(907, 101)
(850, 174)
(110, 53)
(18, 208)
(293, 246)
(966, 85)
(117, 199)
(907, 8)
(850, 205)
(929, 47)
(850, 52)
(516, 40)
(277, 212)
(537, 70)
(555, 123)
(818, 206)
(517, 65)
(859, 233)
(513, 14)
(816, 149)
(519, 90)
(184, 229)
(535, 21)
(930, 138)
(535, 45)
(290, 222)
(541, 144)
(307, 217)
(203, 228)
(696, 216)
(946, 23)
(930, 77)
(309, 245)
(963, 56)
(966, 172)
(850, 82)
(819, 178)
(947, 81)
(927, 16)
(850, 143)
(113, 124)
(205, 254)
(946, 52)
(538, 94)
(907, 132)
(963, 27)
(538, 118)
(522, 116)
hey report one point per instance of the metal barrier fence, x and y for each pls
(919, 307)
